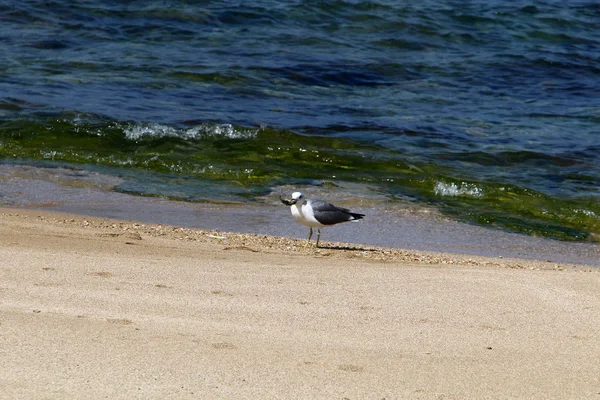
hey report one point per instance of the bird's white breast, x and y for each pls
(304, 215)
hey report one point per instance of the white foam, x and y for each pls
(588, 213)
(155, 131)
(452, 189)
(224, 130)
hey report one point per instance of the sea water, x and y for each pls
(485, 111)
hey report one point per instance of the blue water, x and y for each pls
(480, 97)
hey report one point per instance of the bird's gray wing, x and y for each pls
(328, 214)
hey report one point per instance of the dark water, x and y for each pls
(488, 111)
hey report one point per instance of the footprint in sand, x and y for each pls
(101, 274)
(224, 346)
(221, 293)
(161, 286)
(341, 367)
(350, 368)
(119, 321)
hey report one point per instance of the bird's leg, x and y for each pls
(309, 236)
(318, 236)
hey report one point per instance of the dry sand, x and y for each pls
(93, 308)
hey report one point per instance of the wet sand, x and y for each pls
(108, 308)
(389, 224)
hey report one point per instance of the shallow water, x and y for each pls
(386, 224)
(486, 112)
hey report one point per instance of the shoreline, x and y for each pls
(130, 310)
(256, 243)
(385, 225)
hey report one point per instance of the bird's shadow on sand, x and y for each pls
(345, 248)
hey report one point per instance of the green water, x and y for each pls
(222, 162)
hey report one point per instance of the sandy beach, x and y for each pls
(99, 308)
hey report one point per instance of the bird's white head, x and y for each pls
(297, 197)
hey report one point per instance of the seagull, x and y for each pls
(317, 213)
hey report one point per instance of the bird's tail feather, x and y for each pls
(356, 216)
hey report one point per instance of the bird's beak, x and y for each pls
(287, 202)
